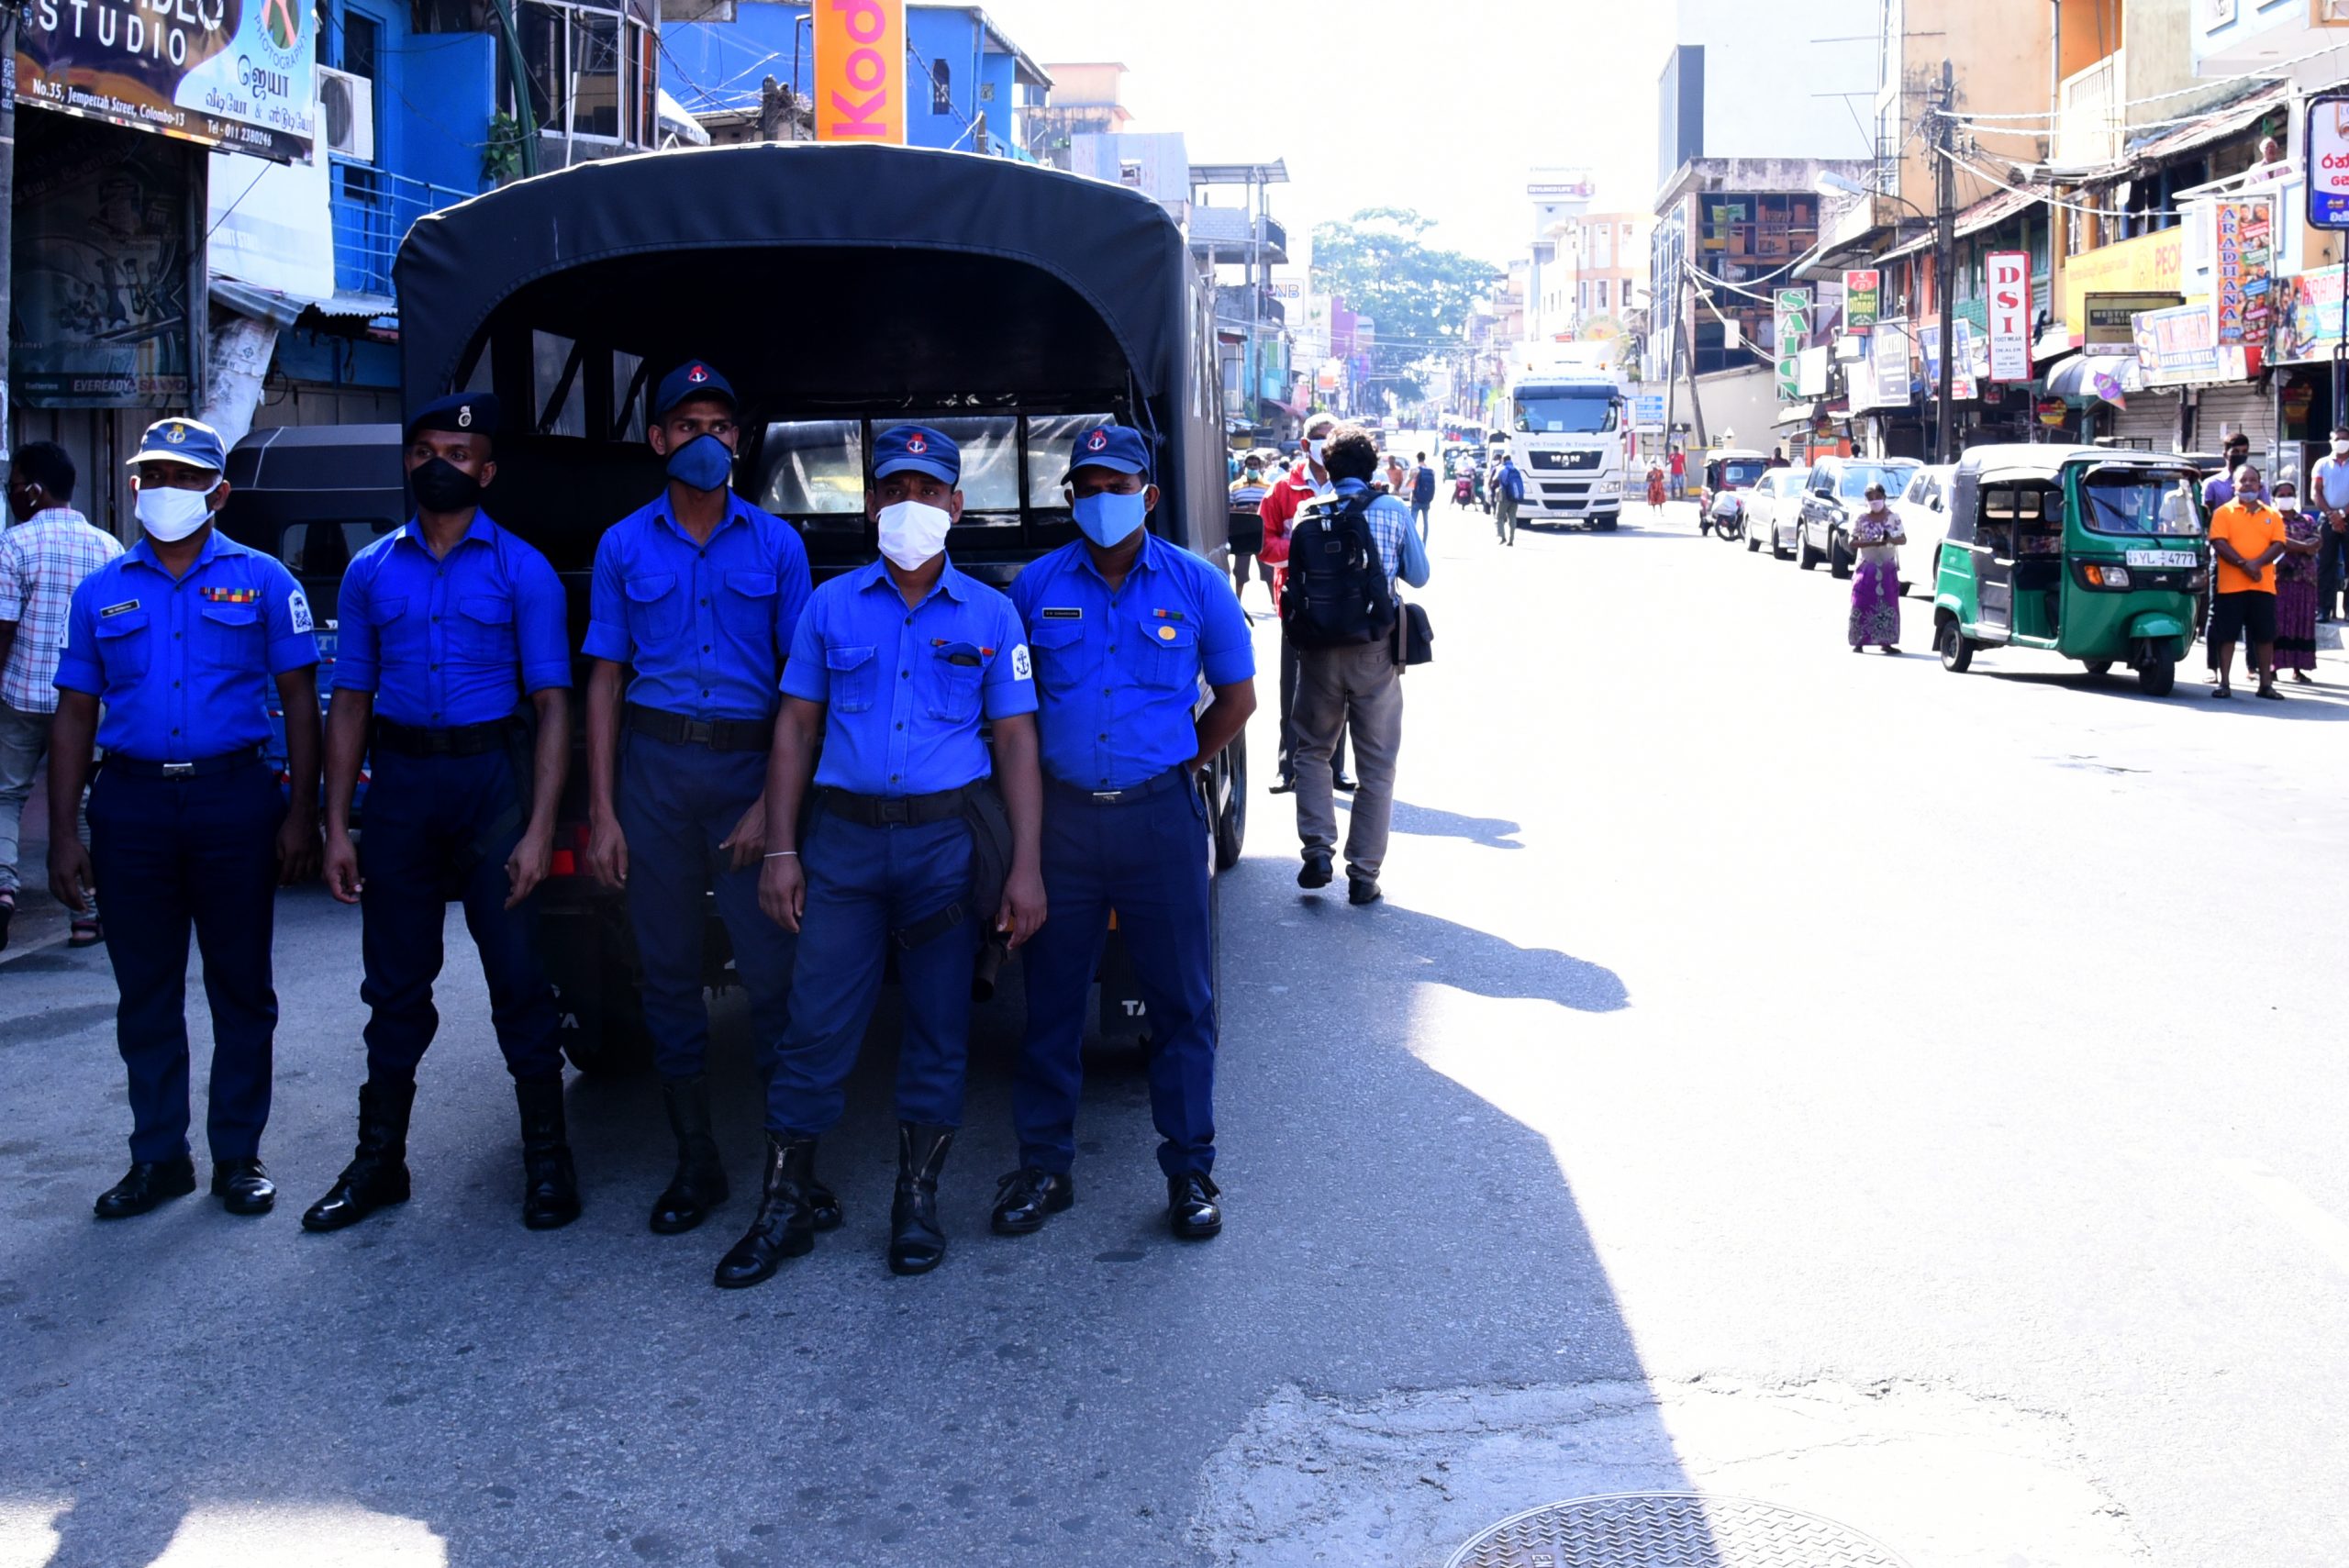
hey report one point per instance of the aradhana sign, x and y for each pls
(235, 74)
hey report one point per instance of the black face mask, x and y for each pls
(442, 486)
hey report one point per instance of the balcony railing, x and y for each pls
(2088, 126)
(373, 210)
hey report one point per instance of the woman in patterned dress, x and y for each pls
(1876, 579)
(2295, 587)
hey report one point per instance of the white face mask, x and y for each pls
(169, 515)
(1316, 446)
(2340, 448)
(913, 531)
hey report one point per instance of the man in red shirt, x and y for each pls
(1290, 492)
(1679, 474)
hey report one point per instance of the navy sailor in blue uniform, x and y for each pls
(698, 594)
(180, 639)
(893, 669)
(449, 626)
(1125, 629)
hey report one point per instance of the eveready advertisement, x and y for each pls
(235, 74)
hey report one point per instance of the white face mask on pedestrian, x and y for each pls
(171, 514)
(913, 531)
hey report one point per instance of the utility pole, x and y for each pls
(1945, 262)
(9, 14)
(1687, 335)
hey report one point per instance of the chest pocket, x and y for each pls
(746, 605)
(1172, 662)
(656, 610)
(126, 645)
(1063, 656)
(484, 630)
(229, 637)
(955, 671)
(850, 673)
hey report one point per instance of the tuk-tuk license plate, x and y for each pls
(2161, 558)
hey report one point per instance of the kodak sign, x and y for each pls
(861, 70)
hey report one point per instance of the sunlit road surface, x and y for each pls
(1915, 1098)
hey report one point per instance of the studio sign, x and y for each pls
(238, 75)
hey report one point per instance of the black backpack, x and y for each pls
(1339, 594)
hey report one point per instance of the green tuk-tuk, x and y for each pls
(2088, 552)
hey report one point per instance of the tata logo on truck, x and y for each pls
(861, 70)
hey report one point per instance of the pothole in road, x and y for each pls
(1417, 1479)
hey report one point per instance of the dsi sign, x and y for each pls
(2327, 140)
(861, 70)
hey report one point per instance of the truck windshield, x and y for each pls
(1565, 413)
(2142, 504)
(1739, 473)
(815, 471)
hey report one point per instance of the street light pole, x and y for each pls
(1945, 262)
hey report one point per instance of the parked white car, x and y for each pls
(1773, 509)
(1923, 507)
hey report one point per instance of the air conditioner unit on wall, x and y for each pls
(347, 113)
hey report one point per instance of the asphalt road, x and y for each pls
(1909, 1097)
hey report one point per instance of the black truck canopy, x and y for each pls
(822, 279)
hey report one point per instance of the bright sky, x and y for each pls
(1440, 106)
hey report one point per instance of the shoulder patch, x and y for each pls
(297, 606)
(1020, 668)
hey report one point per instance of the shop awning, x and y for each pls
(280, 310)
(2086, 377)
(1797, 414)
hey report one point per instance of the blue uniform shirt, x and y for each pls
(903, 689)
(454, 640)
(1117, 674)
(184, 666)
(705, 626)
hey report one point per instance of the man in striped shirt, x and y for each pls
(43, 558)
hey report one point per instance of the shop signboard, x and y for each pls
(2180, 345)
(1968, 367)
(1792, 327)
(2151, 264)
(236, 75)
(2240, 271)
(1811, 372)
(2008, 276)
(1862, 297)
(2111, 319)
(1888, 356)
(2308, 319)
(2326, 137)
(105, 234)
(859, 91)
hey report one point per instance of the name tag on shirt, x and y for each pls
(123, 609)
(1050, 613)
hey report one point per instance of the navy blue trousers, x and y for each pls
(863, 884)
(171, 854)
(676, 805)
(1147, 860)
(438, 829)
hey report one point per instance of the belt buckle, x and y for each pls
(896, 811)
(700, 732)
(179, 769)
(1109, 794)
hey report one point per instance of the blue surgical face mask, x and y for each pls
(702, 463)
(1108, 517)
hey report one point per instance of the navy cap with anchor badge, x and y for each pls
(1120, 448)
(695, 378)
(177, 439)
(920, 449)
(464, 411)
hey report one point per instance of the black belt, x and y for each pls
(897, 810)
(1172, 778)
(140, 768)
(463, 740)
(718, 734)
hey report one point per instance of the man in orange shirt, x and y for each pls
(2247, 537)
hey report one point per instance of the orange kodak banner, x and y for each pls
(861, 70)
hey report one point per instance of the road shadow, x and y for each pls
(2318, 703)
(1431, 822)
(1429, 948)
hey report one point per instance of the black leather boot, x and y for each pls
(377, 1174)
(916, 1244)
(699, 1185)
(550, 1186)
(785, 1225)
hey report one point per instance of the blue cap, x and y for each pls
(1116, 447)
(920, 448)
(695, 378)
(463, 412)
(190, 442)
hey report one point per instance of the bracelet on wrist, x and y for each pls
(780, 855)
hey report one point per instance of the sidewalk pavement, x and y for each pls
(40, 921)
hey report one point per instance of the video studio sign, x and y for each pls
(235, 74)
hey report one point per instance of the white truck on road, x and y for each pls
(1566, 431)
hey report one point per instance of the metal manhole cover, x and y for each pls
(1670, 1529)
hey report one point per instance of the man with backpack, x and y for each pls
(1508, 490)
(1422, 495)
(1339, 611)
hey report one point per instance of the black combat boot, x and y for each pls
(916, 1242)
(785, 1225)
(377, 1173)
(699, 1185)
(550, 1186)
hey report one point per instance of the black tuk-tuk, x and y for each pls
(842, 289)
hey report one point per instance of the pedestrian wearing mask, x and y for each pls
(1341, 611)
(1291, 491)
(2219, 488)
(2329, 500)
(2295, 587)
(1248, 496)
(43, 558)
(1876, 538)
(2248, 538)
(699, 594)
(448, 625)
(180, 640)
(893, 669)
(1124, 625)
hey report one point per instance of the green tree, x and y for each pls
(1418, 294)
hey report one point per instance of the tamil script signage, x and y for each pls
(860, 91)
(235, 74)
(2008, 274)
(1793, 327)
(2181, 345)
(1862, 297)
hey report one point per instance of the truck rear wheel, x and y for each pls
(591, 958)
(1231, 812)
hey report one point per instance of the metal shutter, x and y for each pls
(2245, 406)
(2151, 418)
